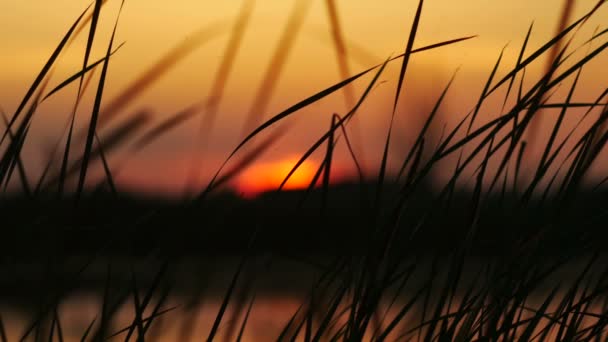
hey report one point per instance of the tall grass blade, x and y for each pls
(95, 114)
(407, 53)
(68, 143)
(404, 64)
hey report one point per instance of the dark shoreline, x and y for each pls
(128, 225)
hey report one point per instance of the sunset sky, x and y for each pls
(372, 31)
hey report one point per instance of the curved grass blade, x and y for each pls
(330, 132)
(247, 160)
(316, 97)
(320, 95)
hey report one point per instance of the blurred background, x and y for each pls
(257, 58)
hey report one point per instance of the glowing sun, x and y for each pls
(268, 176)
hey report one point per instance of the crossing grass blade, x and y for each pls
(13, 151)
(16, 163)
(519, 59)
(95, 114)
(106, 167)
(68, 143)
(485, 90)
(21, 169)
(147, 320)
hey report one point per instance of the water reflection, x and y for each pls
(189, 316)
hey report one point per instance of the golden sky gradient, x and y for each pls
(373, 30)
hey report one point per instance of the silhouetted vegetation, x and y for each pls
(393, 256)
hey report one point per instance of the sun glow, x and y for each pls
(269, 176)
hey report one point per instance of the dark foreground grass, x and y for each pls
(391, 257)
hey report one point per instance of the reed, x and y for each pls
(384, 289)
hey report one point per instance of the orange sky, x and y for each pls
(373, 30)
